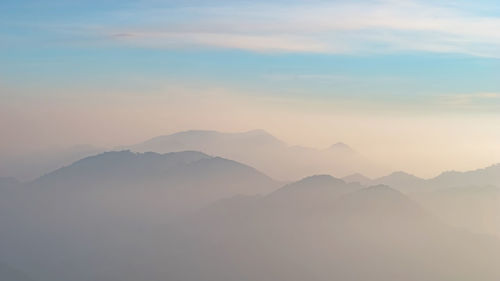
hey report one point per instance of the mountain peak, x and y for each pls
(257, 132)
(316, 182)
(402, 174)
(320, 179)
(357, 177)
(122, 164)
(340, 146)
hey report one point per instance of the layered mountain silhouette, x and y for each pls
(265, 152)
(468, 199)
(99, 204)
(451, 179)
(479, 177)
(173, 182)
(332, 231)
(125, 167)
(127, 216)
(400, 180)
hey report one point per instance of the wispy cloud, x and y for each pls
(313, 26)
(481, 101)
(252, 42)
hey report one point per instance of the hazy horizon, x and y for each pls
(410, 83)
(249, 140)
(421, 157)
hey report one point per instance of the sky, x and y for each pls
(413, 84)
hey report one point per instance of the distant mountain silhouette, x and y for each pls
(451, 179)
(314, 182)
(265, 152)
(127, 216)
(97, 204)
(207, 140)
(186, 179)
(399, 180)
(340, 146)
(468, 199)
(476, 208)
(374, 233)
(357, 177)
(481, 177)
(119, 166)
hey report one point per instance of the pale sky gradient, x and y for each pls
(412, 84)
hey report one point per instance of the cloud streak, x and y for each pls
(481, 101)
(318, 27)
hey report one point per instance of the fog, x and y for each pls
(190, 215)
(249, 140)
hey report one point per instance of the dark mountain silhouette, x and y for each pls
(265, 152)
(125, 167)
(84, 214)
(170, 183)
(119, 166)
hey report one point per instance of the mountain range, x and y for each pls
(260, 149)
(322, 228)
(128, 216)
(450, 179)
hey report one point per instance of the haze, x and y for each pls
(396, 80)
(249, 140)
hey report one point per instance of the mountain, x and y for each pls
(83, 215)
(172, 182)
(260, 149)
(400, 180)
(341, 147)
(318, 189)
(374, 233)
(107, 217)
(479, 177)
(476, 208)
(357, 177)
(208, 141)
(468, 199)
(321, 182)
(451, 179)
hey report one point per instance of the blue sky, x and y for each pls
(394, 51)
(171, 65)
